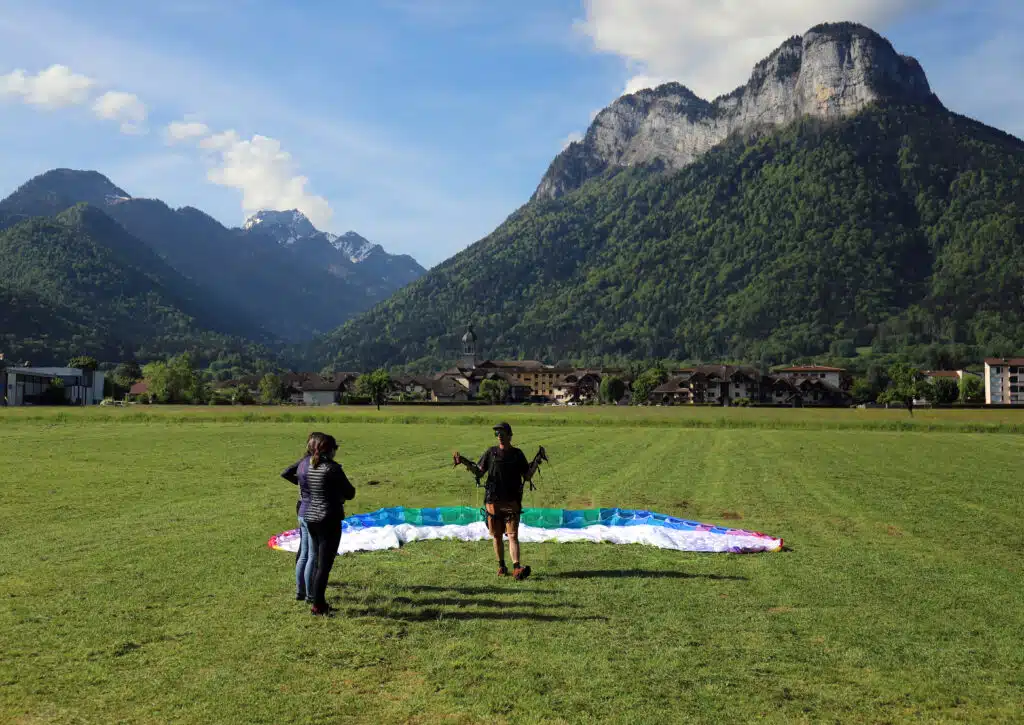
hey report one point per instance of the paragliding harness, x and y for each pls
(473, 468)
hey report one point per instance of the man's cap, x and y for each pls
(505, 427)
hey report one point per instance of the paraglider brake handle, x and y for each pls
(542, 455)
(470, 465)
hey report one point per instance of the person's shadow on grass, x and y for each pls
(432, 615)
(640, 574)
(470, 591)
(497, 603)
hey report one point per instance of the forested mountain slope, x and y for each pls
(901, 221)
(78, 283)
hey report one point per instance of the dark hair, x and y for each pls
(319, 444)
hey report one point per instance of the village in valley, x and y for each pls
(478, 379)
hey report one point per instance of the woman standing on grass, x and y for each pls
(305, 559)
(324, 488)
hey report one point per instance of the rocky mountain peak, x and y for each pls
(355, 247)
(348, 256)
(287, 226)
(832, 71)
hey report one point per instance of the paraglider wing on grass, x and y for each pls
(389, 528)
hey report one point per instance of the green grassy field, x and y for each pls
(136, 584)
(985, 420)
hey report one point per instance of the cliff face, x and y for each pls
(832, 71)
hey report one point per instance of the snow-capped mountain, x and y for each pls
(349, 256)
(287, 226)
(278, 274)
(355, 247)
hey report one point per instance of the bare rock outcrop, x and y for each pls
(833, 71)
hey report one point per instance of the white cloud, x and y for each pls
(573, 137)
(711, 45)
(265, 174)
(390, 187)
(184, 130)
(58, 87)
(123, 107)
(55, 87)
(642, 81)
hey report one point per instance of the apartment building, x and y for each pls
(32, 386)
(1004, 381)
(832, 376)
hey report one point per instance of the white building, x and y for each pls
(832, 376)
(319, 397)
(1004, 381)
(30, 386)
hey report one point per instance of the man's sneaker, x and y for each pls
(320, 611)
(502, 570)
(520, 573)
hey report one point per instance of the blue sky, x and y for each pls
(420, 124)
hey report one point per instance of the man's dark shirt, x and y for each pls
(505, 471)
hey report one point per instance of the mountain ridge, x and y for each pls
(832, 71)
(294, 291)
(888, 221)
(79, 283)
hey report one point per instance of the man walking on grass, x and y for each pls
(507, 470)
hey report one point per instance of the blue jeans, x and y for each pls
(305, 564)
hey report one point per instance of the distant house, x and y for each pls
(674, 391)
(138, 389)
(733, 384)
(1004, 381)
(415, 385)
(463, 378)
(578, 386)
(448, 390)
(518, 391)
(31, 385)
(301, 388)
(723, 384)
(833, 376)
(954, 375)
(818, 392)
(541, 379)
(319, 389)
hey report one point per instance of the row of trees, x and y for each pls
(907, 385)
(178, 381)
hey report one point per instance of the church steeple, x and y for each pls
(469, 349)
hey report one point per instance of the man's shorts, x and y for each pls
(503, 517)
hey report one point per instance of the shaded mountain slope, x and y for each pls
(288, 292)
(78, 283)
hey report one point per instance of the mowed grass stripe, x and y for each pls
(977, 420)
(151, 595)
